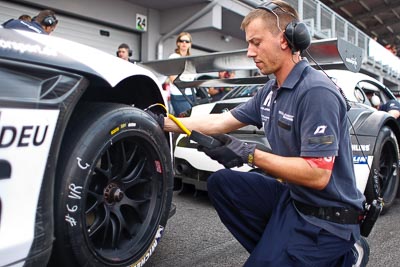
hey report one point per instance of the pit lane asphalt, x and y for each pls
(195, 237)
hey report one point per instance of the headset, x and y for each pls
(375, 100)
(50, 20)
(129, 50)
(296, 33)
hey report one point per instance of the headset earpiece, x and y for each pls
(49, 21)
(375, 100)
(298, 36)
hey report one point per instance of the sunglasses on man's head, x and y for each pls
(184, 41)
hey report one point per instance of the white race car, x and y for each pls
(86, 175)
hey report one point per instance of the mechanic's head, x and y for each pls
(47, 19)
(183, 44)
(124, 51)
(25, 17)
(267, 44)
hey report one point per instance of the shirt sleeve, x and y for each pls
(322, 115)
(249, 112)
(392, 105)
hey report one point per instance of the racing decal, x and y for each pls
(25, 136)
(121, 127)
(80, 165)
(361, 147)
(142, 261)
(75, 193)
(361, 170)
(320, 129)
(327, 139)
(360, 160)
(267, 101)
(5, 169)
(23, 48)
(115, 130)
(352, 61)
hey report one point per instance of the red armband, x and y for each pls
(325, 163)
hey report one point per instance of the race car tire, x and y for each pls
(383, 180)
(113, 188)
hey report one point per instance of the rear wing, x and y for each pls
(326, 52)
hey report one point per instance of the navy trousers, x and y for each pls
(258, 211)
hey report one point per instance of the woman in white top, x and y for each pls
(178, 101)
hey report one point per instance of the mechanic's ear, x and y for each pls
(283, 41)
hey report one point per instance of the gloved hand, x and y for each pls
(159, 118)
(232, 152)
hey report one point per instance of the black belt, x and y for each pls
(332, 214)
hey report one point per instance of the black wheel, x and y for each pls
(383, 180)
(113, 189)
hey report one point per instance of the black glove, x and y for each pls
(159, 118)
(232, 152)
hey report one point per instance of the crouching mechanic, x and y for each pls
(312, 218)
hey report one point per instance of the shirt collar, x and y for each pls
(295, 75)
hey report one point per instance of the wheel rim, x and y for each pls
(123, 199)
(387, 172)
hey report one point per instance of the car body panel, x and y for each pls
(65, 54)
(26, 135)
(43, 79)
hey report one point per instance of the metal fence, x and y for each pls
(324, 23)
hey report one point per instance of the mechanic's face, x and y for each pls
(264, 47)
(123, 53)
(49, 29)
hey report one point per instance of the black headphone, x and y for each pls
(296, 33)
(49, 21)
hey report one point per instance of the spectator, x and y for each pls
(124, 52)
(312, 217)
(391, 48)
(45, 23)
(179, 102)
(217, 93)
(25, 18)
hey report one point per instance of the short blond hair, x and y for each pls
(285, 12)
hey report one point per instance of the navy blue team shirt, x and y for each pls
(391, 105)
(17, 24)
(306, 117)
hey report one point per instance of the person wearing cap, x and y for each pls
(44, 23)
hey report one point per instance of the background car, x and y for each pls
(86, 175)
(374, 137)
